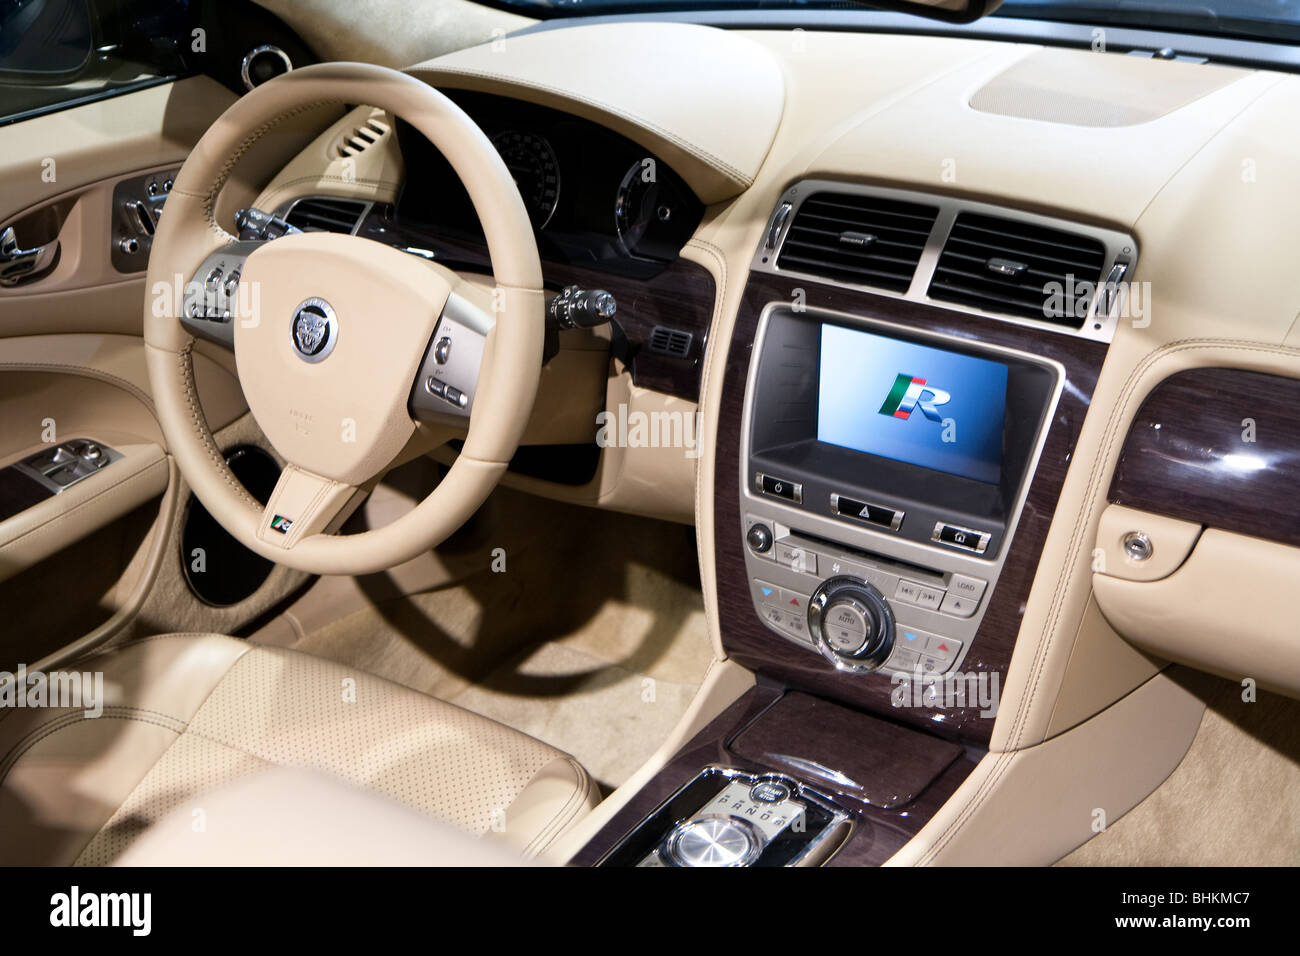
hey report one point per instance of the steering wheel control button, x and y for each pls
(715, 840)
(314, 330)
(435, 387)
(759, 538)
(770, 791)
(442, 350)
(779, 487)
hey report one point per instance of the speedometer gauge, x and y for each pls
(536, 171)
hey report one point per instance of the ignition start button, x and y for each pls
(769, 791)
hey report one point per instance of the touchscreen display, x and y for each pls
(912, 403)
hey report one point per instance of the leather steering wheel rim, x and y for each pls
(335, 473)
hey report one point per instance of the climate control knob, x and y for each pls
(852, 624)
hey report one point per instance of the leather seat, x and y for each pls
(185, 714)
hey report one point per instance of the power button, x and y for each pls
(780, 488)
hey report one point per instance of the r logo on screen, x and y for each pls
(910, 393)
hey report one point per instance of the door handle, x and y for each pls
(21, 265)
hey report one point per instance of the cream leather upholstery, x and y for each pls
(185, 714)
(261, 820)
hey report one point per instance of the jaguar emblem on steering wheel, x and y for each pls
(315, 330)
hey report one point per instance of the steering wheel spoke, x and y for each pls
(445, 386)
(215, 298)
(305, 504)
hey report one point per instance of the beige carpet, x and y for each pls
(594, 641)
(1233, 801)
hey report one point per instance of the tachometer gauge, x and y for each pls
(532, 163)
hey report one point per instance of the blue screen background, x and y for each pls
(857, 372)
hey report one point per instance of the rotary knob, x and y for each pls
(713, 840)
(852, 624)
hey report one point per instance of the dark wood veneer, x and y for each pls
(744, 636)
(877, 763)
(879, 833)
(1186, 454)
(680, 297)
(18, 492)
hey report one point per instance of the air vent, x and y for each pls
(671, 342)
(863, 240)
(326, 215)
(364, 136)
(1012, 267)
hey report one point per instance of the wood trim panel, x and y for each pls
(1219, 447)
(744, 636)
(879, 833)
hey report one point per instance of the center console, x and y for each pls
(883, 471)
(888, 466)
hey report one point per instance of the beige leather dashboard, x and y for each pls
(706, 100)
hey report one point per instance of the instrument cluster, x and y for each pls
(595, 198)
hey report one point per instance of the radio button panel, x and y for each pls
(935, 611)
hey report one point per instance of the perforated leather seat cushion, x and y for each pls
(187, 713)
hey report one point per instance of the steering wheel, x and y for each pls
(338, 338)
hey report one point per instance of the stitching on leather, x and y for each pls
(981, 794)
(223, 175)
(561, 819)
(718, 164)
(290, 186)
(185, 365)
(89, 657)
(53, 727)
(706, 378)
(126, 645)
(83, 371)
(1097, 474)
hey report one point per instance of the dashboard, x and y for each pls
(595, 198)
(886, 214)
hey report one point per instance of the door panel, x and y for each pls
(72, 366)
